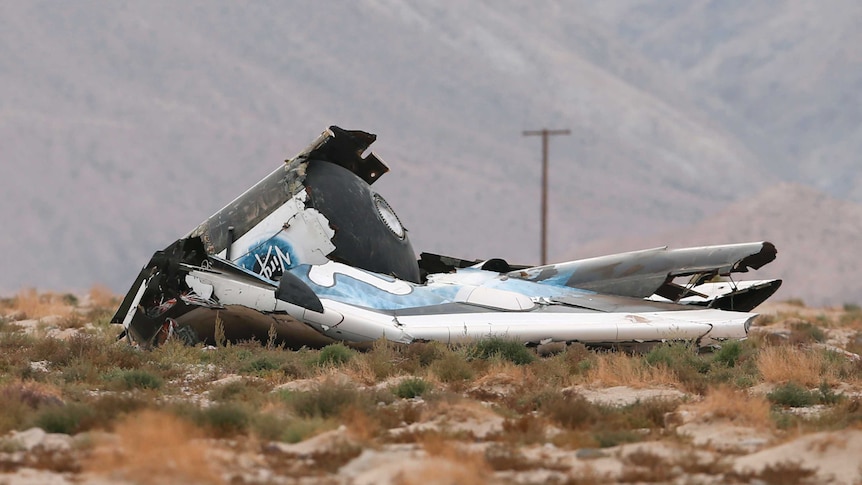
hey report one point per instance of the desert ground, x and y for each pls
(79, 406)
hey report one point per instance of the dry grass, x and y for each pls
(107, 385)
(30, 304)
(734, 405)
(155, 448)
(360, 425)
(459, 410)
(618, 369)
(448, 464)
(506, 373)
(102, 297)
(783, 363)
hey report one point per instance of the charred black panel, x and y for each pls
(747, 299)
(164, 274)
(362, 238)
(430, 263)
(293, 290)
(345, 149)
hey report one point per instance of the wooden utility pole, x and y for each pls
(545, 133)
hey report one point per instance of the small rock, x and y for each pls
(317, 444)
(751, 445)
(230, 379)
(678, 418)
(57, 442)
(62, 334)
(28, 439)
(589, 454)
(40, 365)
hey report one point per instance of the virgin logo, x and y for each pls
(273, 263)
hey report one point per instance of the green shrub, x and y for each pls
(503, 348)
(571, 411)
(676, 355)
(15, 410)
(330, 399)
(299, 429)
(827, 395)
(647, 413)
(844, 415)
(424, 353)
(805, 332)
(682, 358)
(410, 388)
(335, 354)
(138, 379)
(793, 395)
(109, 407)
(453, 367)
(729, 353)
(268, 426)
(81, 371)
(223, 420)
(384, 359)
(252, 391)
(68, 419)
(609, 438)
(271, 427)
(261, 364)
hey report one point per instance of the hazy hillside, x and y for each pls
(817, 237)
(124, 125)
(786, 72)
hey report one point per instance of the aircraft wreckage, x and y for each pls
(312, 255)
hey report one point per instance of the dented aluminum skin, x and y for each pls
(312, 255)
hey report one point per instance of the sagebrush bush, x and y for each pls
(111, 406)
(137, 379)
(793, 395)
(252, 391)
(616, 437)
(329, 400)
(69, 419)
(410, 388)
(672, 354)
(847, 413)
(453, 367)
(806, 332)
(335, 354)
(571, 411)
(262, 364)
(297, 430)
(15, 411)
(524, 430)
(423, 354)
(641, 414)
(503, 348)
(729, 353)
(223, 420)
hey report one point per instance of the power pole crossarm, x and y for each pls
(545, 133)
